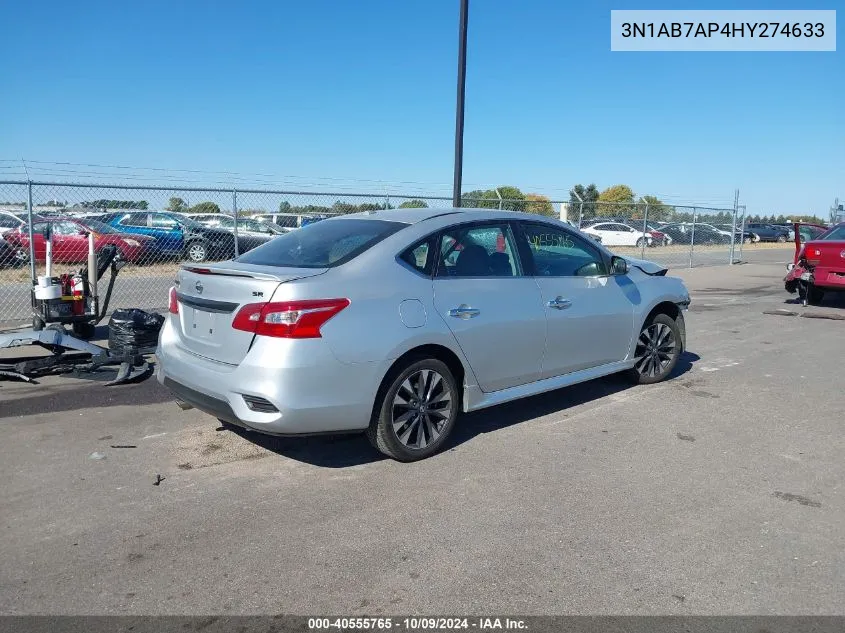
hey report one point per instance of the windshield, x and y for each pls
(185, 221)
(98, 227)
(322, 244)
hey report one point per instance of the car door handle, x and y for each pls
(464, 312)
(559, 303)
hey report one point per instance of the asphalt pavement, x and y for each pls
(717, 492)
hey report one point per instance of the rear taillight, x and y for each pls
(174, 302)
(813, 256)
(288, 319)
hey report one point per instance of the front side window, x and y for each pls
(559, 253)
(322, 244)
(478, 251)
(66, 228)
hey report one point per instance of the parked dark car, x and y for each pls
(251, 232)
(685, 233)
(745, 236)
(768, 232)
(176, 235)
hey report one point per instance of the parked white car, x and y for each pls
(618, 234)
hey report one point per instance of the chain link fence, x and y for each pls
(155, 229)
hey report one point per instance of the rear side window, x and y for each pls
(135, 219)
(322, 244)
(420, 257)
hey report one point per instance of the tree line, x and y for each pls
(585, 201)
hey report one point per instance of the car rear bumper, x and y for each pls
(277, 394)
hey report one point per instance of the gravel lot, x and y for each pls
(718, 492)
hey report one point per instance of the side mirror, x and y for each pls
(618, 266)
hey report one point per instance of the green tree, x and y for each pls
(589, 195)
(512, 198)
(657, 210)
(538, 204)
(284, 206)
(205, 207)
(414, 204)
(616, 201)
(177, 205)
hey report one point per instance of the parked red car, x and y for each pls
(819, 263)
(70, 241)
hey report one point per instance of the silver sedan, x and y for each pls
(393, 322)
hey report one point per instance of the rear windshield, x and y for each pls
(322, 244)
(98, 227)
(836, 233)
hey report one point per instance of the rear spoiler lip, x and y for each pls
(236, 272)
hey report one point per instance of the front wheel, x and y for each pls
(197, 252)
(746, 240)
(416, 411)
(657, 352)
(781, 239)
(640, 242)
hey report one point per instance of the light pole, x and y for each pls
(459, 114)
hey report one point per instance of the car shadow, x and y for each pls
(343, 451)
(830, 300)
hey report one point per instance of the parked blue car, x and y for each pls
(176, 235)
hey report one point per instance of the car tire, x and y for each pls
(403, 425)
(657, 350)
(781, 239)
(196, 251)
(37, 323)
(746, 240)
(640, 242)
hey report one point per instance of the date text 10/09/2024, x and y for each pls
(416, 624)
(716, 29)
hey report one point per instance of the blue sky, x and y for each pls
(361, 95)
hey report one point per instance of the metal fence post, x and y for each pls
(580, 214)
(692, 236)
(387, 201)
(742, 232)
(235, 212)
(499, 196)
(31, 240)
(645, 226)
(733, 239)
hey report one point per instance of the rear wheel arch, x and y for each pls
(439, 352)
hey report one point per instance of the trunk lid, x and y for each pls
(209, 298)
(826, 254)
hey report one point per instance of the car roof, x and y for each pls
(413, 216)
